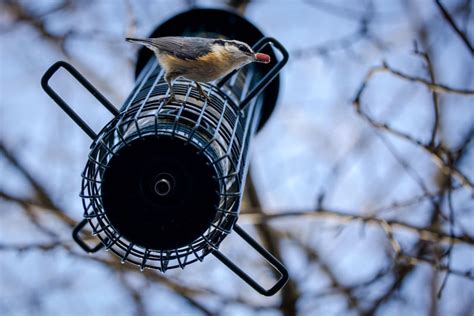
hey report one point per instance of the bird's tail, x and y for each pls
(142, 41)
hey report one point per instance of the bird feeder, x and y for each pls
(163, 183)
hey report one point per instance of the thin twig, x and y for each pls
(456, 29)
(451, 244)
(135, 294)
(439, 88)
(42, 197)
(336, 285)
(425, 233)
(435, 152)
(41, 247)
(414, 261)
(289, 293)
(435, 95)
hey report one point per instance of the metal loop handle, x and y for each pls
(76, 236)
(63, 105)
(277, 265)
(269, 76)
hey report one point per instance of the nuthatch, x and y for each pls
(199, 59)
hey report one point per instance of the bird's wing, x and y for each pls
(183, 47)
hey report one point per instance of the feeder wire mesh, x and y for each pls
(216, 130)
(163, 182)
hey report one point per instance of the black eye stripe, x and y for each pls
(244, 48)
(241, 47)
(219, 42)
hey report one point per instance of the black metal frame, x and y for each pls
(77, 238)
(231, 165)
(64, 106)
(269, 76)
(268, 256)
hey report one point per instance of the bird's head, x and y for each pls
(241, 52)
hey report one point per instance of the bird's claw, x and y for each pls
(205, 97)
(201, 92)
(170, 100)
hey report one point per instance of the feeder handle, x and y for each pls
(77, 238)
(63, 105)
(269, 76)
(244, 276)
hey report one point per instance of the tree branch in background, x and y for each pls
(30, 247)
(254, 215)
(42, 197)
(365, 19)
(289, 293)
(433, 236)
(336, 285)
(435, 95)
(437, 153)
(135, 295)
(238, 5)
(453, 25)
(439, 88)
(21, 14)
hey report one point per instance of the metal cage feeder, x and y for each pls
(163, 183)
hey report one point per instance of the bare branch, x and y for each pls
(28, 247)
(132, 22)
(336, 285)
(411, 201)
(332, 45)
(453, 25)
(435, 95)
(136, 295)
(437, 153)
(21, 14)
(290, 292)
(187, 293)
(405, 164)
(425, 233)
(439, 88)
(239, 5)
(43, 198)
(414, 261)
(451, 244)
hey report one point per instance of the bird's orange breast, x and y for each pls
(204, 69)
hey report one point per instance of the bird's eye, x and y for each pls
(244, 49)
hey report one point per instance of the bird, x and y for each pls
(199, 59)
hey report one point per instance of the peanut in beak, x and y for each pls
(262, 58)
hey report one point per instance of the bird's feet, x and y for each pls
(170, 99)
(201, 92)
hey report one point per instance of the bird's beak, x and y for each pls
(262, 58)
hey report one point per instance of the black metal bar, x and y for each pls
(77, 238)
(269, 76)
(64, 106)
(265, 81)
(277, 265)
(127, 252)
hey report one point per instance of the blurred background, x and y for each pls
(361, 182)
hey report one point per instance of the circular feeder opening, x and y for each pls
(159, 193)
(164, 184)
